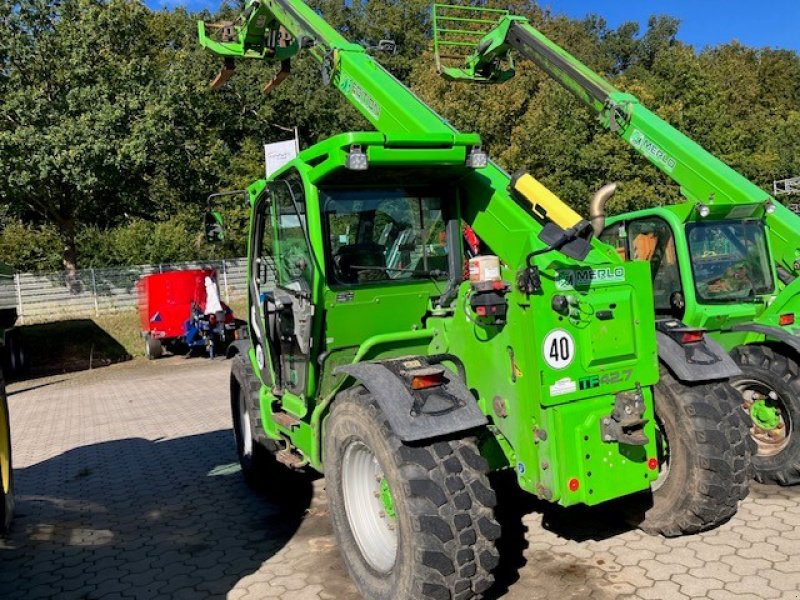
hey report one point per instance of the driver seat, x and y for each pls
(367, 254)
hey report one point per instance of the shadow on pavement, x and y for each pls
(578, 524)
(143, 518)
(70, 345)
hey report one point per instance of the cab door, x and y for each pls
(282, 279)
(652, 239)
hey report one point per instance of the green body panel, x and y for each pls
(551, 429)
(505, 366)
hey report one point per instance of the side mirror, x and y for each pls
(677, 303)
(213, 226)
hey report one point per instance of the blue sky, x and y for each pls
(772, 23)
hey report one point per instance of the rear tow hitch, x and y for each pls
(626, 423)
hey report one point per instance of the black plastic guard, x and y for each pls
(700, 361)
(422, 414)
(776, 333)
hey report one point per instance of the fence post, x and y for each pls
(20, 312)
(94, 294)
(225, 280)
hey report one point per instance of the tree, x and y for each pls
(102, 115)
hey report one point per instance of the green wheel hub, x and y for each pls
(765, 416)
(386, 499)
(771, 427)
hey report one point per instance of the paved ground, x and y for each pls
(128, 488)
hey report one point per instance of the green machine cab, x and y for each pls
(418, 318)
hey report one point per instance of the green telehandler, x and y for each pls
(725, 261)
(373, 358)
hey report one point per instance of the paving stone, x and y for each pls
(128, 487)
(662, 590)
(753, 584)
(696, 587)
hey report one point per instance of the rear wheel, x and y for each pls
(770, 388)
(703, 459)
(412, 521)
(153, 348)
(6, 472)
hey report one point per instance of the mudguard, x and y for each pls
(700, 361)
(237, 347)
(776, 333)
(416, 415)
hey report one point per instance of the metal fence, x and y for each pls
(48, 296)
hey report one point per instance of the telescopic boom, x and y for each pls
(489, 39)
(277, 30)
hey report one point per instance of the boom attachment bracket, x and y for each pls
(469, 43)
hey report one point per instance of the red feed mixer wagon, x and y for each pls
(181, 311)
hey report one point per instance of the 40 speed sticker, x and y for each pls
(559, 349)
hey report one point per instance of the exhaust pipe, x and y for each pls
(597, 207)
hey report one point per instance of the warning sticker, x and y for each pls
(563, 386)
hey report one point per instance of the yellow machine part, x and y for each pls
(5, 446)
(545, 203)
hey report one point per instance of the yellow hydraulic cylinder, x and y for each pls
(544, 202)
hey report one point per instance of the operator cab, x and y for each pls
(369, 248)
(725, 261)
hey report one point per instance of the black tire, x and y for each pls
(442, 501)
(255, 458)
(153, 348)
(6, 464)
(763, 366)
(708, 460)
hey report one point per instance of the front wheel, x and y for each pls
(255, 459)
(770, 388)
(703, 459)
(412, 521)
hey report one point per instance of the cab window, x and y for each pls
(294, 262)
(391, 234)
(651, 239)
(730, 260)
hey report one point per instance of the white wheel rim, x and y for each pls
(374, 531)
(663, 466)
(244, 427)
(768, 443)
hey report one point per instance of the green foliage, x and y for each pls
(30, 247)
(110, 140)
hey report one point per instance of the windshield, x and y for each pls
(384, 234)
(730, 260)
